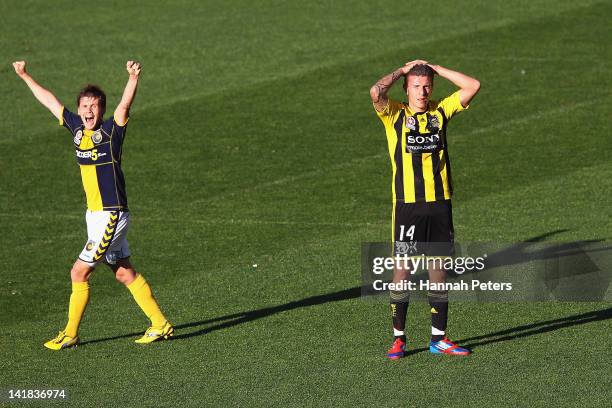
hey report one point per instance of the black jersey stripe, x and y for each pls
(419, 181)
(444, 120)
(436, 165)
(397, 157)
(449, 177)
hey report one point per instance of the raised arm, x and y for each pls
(123, 109)
(379, 90)
(468, 86)
(43, 95)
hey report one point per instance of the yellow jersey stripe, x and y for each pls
(428, 177)
(89, 177)
(444, 175)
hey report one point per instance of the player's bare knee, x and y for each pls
(125, 275)
(401, 274)
(120, 277)
(437, 275)
(80, 272)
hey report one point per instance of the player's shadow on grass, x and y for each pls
(230, 320)
(244, 317)
(529, 251)
(565, 271)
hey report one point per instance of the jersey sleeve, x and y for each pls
(119, 124)
(389, 115)
(451, 105)
(70, 120)
(116, 134)
(115, 129)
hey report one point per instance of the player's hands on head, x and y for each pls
(434, 67)
(20, 67)
(133, 68)
(408, 66)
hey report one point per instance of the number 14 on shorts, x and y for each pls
(406, 233)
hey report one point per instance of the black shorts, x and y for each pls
(423, 228)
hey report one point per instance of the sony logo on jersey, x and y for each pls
(435, 138)
(91, 154)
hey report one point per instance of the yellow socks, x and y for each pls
(139, 288)
(78, 302)
(143, 295)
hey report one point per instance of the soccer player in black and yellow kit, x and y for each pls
(422, 188)
(98, 147)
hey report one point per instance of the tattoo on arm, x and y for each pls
(378, 92)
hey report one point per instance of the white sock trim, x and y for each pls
(436, 332)
(398, 332)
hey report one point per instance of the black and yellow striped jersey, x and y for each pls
(418, 150)
(98, 153)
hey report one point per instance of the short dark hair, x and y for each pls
(419, 70)
(94, 91)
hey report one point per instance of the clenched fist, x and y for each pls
(20, 67)
(133, 68)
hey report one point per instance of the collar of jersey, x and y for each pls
(417, 113)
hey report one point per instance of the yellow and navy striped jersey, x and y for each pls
(98, 153)
(418, 150)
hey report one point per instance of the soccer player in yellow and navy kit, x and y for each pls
(422, 188)
(98, 147)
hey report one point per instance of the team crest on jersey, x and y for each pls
(410, 122)
(434, 121)
(90, 245)
(97, 136)
(77, 137)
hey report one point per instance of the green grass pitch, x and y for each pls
(252, 141)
